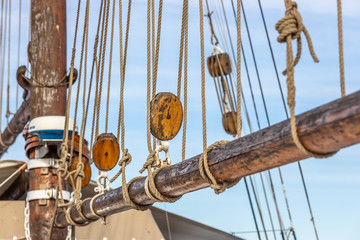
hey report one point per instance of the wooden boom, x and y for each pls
(325, 129)
(16, 125)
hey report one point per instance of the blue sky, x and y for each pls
(333, 183)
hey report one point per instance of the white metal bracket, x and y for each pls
(43, 163)
(46, 194)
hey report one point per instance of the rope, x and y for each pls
(290, 27)
(2, 45)
(110, 65)
(183, 57)
(207, 175)
(152, 190)
(341, 48)
(18, 55)
(238, 70)
(102, 65)
(254, 188)
(148, 74)
(8, 113)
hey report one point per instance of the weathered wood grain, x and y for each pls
(328, 128)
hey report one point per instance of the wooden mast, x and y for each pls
(325, 129)
(48, 67)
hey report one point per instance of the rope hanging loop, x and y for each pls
(290, 27)
(207, 175)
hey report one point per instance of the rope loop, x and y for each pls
(151, 161)
(126, 158)
(207, 175)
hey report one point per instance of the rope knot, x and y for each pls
(79, 171)
(151, 161)
(126, 158)
(290, 25)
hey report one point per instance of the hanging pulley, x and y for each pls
(166, 115)
(106, 151)
(219, 64)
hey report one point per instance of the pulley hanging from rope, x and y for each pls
(219, 66)
(166, 116)
(106, 151)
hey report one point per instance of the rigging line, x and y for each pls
(231, 43)
(8, 112)
(258, 121)
(243, 54)
(148, 74)
(308, 201)
(181, 50)
(271, 184)
(267, 204)
(102, 65)
(121, 64)
(2, 45)
(18, 55)
(252, 208)
(226, 46)
(123, 67)
(157, 50)
(95, 67)
(255, 65)
(258, 206)
(84, 37)
(284, 104)
(28, 66)
(223, 38)
(202, 64)
(247, 72)
(273, 58)
(341, 48)
(110, 65)
(265, 108)
(186, 7)
(93, 63)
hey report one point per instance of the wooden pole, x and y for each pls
(325, 129)
(48, 67)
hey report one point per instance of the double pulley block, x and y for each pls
(219, 66)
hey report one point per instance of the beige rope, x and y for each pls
(238, 70)
(202, 63)
(148, 68)
(207, 175)
(102, 64)
(290, 27)
(154, 193)
(341, 48)
(110, 65)
(186, 9)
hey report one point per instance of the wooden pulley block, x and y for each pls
(166, 115)
(229, 122)
(106, 151)
(214, 63)
(86, 169)
(76, 147)
(20, 73)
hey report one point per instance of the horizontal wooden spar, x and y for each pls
(325, 129)
(16, 125)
